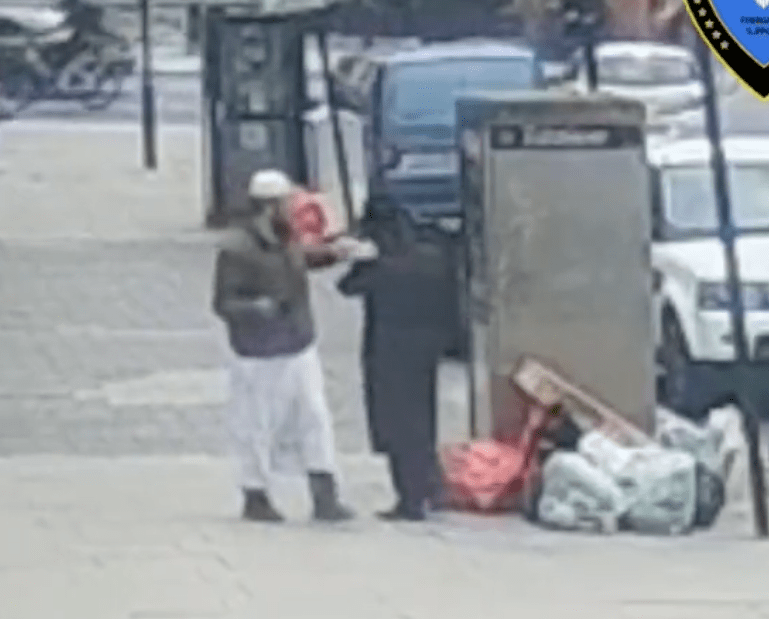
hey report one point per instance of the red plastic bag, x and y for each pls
(311, 218)
(490, 475)
(482, 474)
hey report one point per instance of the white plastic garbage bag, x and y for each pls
(576, 495)
(727, 421)
(606, 454)
(705, 443)
(733, 452)
(702, 442)
(659, 485)
(661, 488)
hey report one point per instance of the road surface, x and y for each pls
(178, 103)
(741, 114)
(746, 114)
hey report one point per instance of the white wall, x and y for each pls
(322, 161)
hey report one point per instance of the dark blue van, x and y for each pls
(407, 102)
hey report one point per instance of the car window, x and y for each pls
(689, 200)
(427, 92)
(649, 71)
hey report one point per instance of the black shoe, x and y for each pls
(326, 505)
(400, 513)
(257, 507)
(438, 503)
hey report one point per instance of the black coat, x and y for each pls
(407, 329)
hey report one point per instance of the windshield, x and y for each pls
(427, 92)
(633, 71)
(689, 201)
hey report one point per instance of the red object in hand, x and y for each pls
(310, 218)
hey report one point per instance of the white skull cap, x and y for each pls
(267, 184)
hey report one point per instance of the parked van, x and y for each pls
(406, 101)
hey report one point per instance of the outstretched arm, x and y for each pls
(358, 279)
(321, 256)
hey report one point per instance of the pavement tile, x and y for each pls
(159, 537)
(689, 610)
(34, 593)
(105, 305)
(172, 585)
(27, 542)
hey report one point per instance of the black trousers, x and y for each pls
(404, 374)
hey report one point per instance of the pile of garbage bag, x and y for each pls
(577, 465)
(668, 488)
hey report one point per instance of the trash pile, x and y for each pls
(578, 465)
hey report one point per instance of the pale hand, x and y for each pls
(351, 248)
(265, 305)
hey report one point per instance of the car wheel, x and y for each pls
(676, 364)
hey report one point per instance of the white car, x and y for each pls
(692, 321)
(663, 77)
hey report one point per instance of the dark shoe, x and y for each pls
(391, 514)
(401, 512)
(257, 507)
(326, 505)
(438, 503)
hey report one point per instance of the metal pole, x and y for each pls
(728, 233)
(194, 22)
(339, 149)
(591, 63)
(590, 24)
(148, 91)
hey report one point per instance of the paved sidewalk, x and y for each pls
(157, 538)
(110, 349)
(110, 344)
(87, 183)
(168, 63)
(170, 60)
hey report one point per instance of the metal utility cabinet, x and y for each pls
(253, 103)
(555, 191)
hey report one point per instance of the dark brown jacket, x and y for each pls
(249, 268)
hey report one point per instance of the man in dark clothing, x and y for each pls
(84, 17)
(406, 292)
(262, 294)
(81, 52)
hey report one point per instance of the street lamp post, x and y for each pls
(728, 233)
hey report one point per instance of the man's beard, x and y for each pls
(282, 228)
(272, 228)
